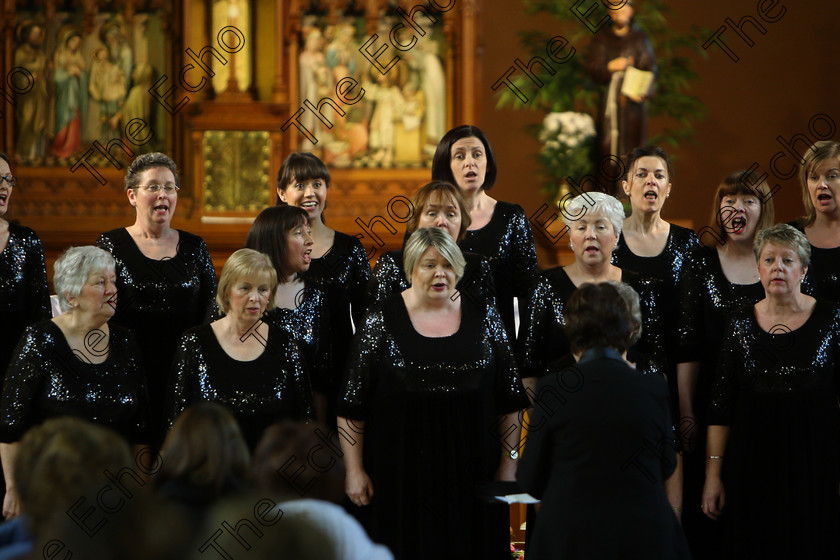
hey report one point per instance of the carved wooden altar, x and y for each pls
(226, 83)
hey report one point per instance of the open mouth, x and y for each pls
(162, 209)
(739, 224)
(471, 175)
(3, 197)
(307, 256)
(651, 195)
(824, 197)
(440, 286)
(309, 204)
(591, 249)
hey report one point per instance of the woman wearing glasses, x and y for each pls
(24, 296)
(165, 278)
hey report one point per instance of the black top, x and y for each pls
(706, 300)
(431, 408)
(158, 300)
(543, 340)
(389, 278)
(666, 269)
(342, 273)
(24, 295)
(778, 392)
(508, 245)
(259, 392)
(309, 326)
(47, 379)
(599, 448)
(822, 280)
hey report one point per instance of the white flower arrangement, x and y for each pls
(567, 141)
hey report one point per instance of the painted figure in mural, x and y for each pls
(31, 108)
(315, 82)
(622, 120)
(138, 103)
(70, 76)
(107, 91)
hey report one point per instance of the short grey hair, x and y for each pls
(424, 238)
(631, 297)
(73, 268)
(144, 162)
(597, 203)
(787, 236)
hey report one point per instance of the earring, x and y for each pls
(572, 247)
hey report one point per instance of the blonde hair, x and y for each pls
(424, 238)
(246, 263)
(818, 153)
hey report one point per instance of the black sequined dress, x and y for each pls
(431, 407)
(778, 393)
(158, 300)
(707, 298)
(388, 278)
(46, 379)
(309, 326)
(24, 295)
(542, 339)
(823, 277)
(508, 245)
(342, 273)
(259, 392)
(666, 269)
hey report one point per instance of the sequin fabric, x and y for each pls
(158, 300)
(24, 295)
(273, 387)
(46, 378)
(309, 326)
(389, 356)
(388, 278)
(508, 245)
(665, 271)
(822, 280)
(431, 410)
(542, 339)
(781, 361)
(342, 273)
(706, 299)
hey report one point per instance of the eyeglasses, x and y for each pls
(168, 189)
(11, 179)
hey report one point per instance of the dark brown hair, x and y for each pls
(441, 162)
(205, 448)
(598, 316)
(270, 230)
(301, 166)
(5, 158)
(647, 151)
(148, 161)
(286, 446)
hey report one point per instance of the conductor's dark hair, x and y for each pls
(597, 316)
(647, 151)
(441, 168)
(269, 232)
(5, 158)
